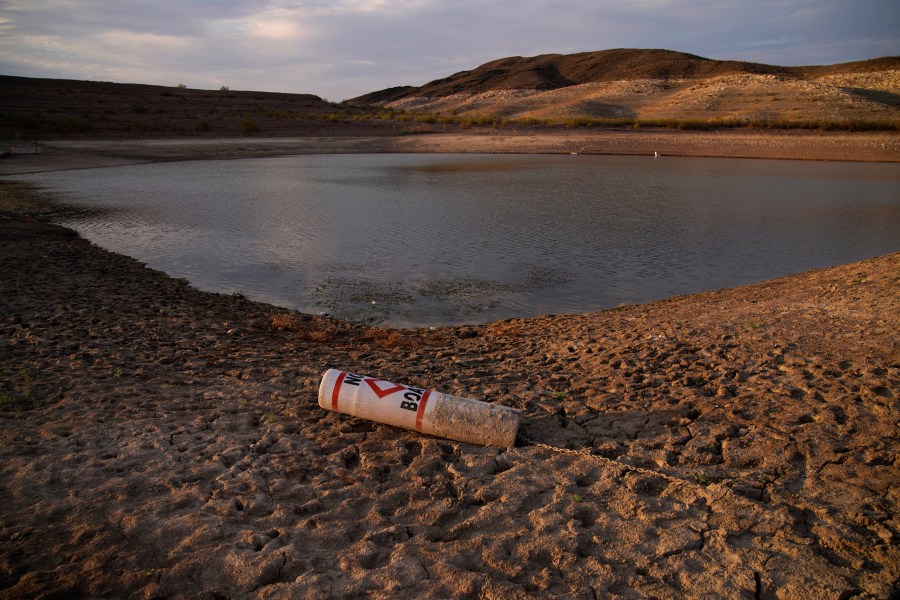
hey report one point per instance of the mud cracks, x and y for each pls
(162, 442)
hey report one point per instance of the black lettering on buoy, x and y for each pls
(409, 405)
(352, 379)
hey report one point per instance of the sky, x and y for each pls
(340, 49)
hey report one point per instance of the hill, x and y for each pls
(643, 87)
(43, 108)
(656, 84)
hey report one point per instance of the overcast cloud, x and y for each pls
(339, 49)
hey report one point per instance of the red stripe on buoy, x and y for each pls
(337, 388)
(421, 412)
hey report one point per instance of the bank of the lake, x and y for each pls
(163, 442)
(870, 146)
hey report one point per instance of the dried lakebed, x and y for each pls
(159, 441)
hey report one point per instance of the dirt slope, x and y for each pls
(658, 84)
(53, 108)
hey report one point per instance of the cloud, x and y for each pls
(782, 41)
(344, 48)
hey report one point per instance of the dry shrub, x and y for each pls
(504, 330)
(311, 329)
(390, 340)
(435, 339)
(284, 321)
(321, 331)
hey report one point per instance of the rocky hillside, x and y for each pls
(657, 84)
(52, 108)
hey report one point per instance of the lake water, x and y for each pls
(413, 239)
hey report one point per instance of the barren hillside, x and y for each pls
(657, 84)
(643, 86)
(61, 108)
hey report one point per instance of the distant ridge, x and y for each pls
(620, 88)
(655, 84)
(553, 71)
(12, 83)
(40, 108)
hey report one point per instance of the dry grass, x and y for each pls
(388, 339)
(322, 331)
(20, 198)
(504, 329)
(310, 329)
(726, 100)
(284, 321)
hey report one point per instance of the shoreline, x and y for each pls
(781, 145)
(162, 441)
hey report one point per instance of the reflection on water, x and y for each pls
(433, 239)
(495, 164)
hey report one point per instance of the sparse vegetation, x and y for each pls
(815, 99)
(110, 110)
(249, 125)
(386, 338)
(284, 321)
(25, 390)
(20, 391)
(245, 119)
(311, 329)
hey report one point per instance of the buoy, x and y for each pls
(426, 411)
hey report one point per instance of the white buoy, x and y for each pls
(425, 411)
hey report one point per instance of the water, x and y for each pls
(442, 239)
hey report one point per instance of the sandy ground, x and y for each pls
(161, 442)
(796, 145)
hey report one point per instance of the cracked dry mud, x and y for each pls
(161, 442)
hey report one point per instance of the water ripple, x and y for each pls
(428, 239)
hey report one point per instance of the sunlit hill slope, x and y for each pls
(657, 85)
